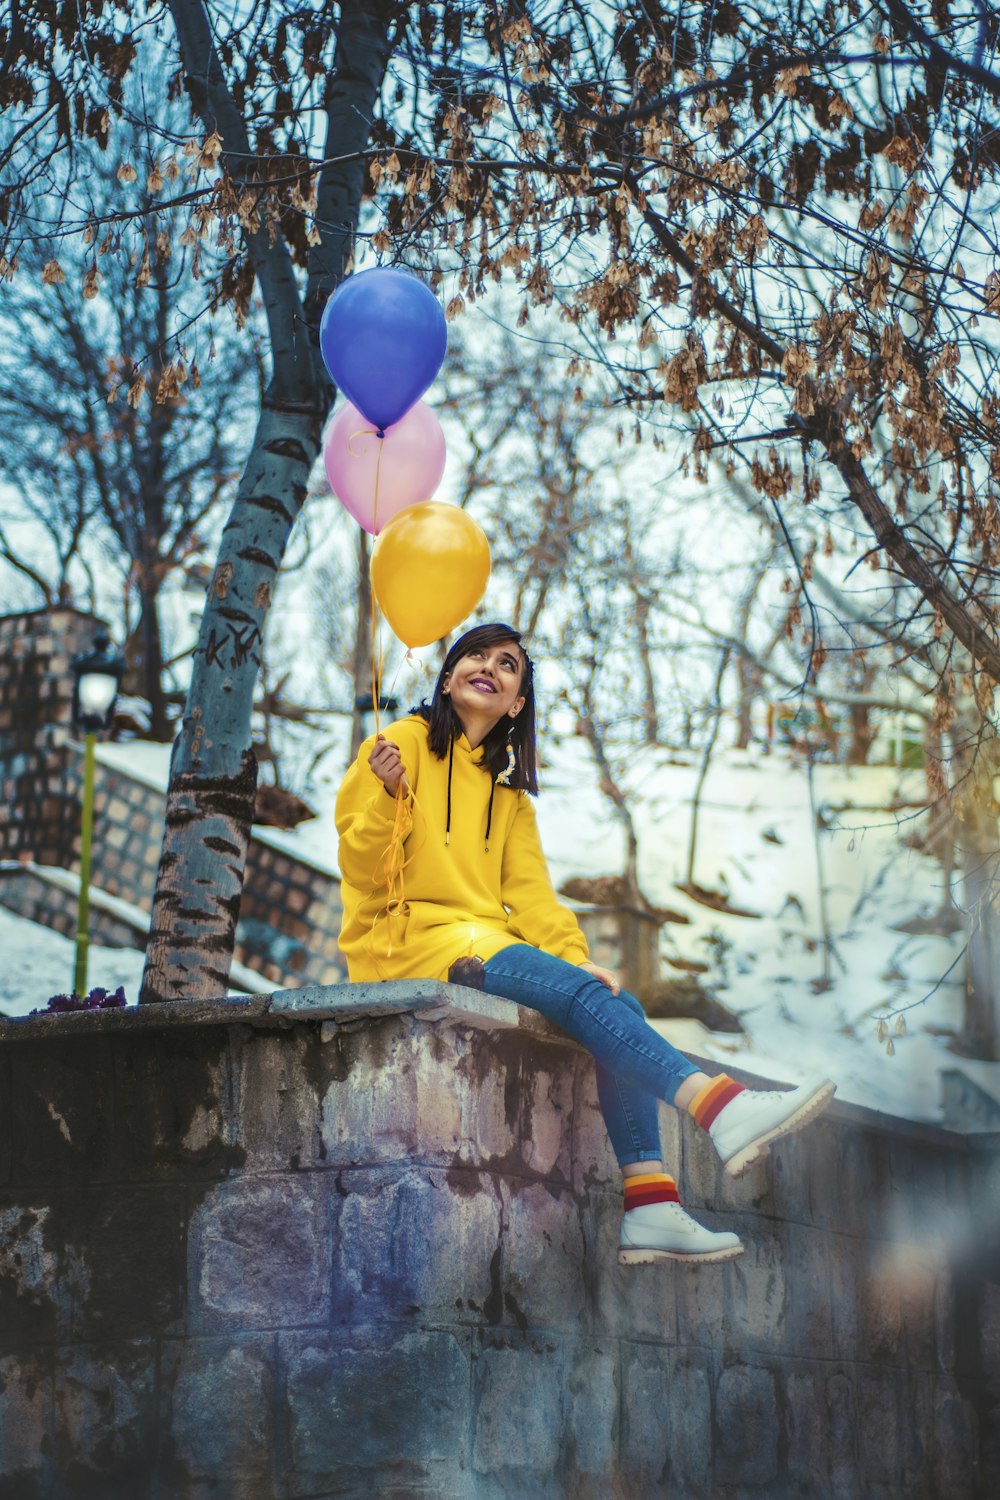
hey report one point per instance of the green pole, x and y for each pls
(86, 840)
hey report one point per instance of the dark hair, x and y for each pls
(445, 725)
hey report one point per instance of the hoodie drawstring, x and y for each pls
(451, 761)
(489, 810)
(489, 815)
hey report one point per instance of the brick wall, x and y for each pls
(305, 949)
(31, 895)
(39, 817)
(303, 1245)
(290, 914)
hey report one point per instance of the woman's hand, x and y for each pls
(387, 763)
(606, 976)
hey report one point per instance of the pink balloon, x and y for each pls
(412, 462)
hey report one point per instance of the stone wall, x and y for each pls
(361, 1241)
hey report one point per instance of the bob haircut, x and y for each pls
(445, 725)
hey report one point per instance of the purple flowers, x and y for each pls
(98, 999)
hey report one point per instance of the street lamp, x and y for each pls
(364, 705)
(97, 674)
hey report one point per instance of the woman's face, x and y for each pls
(485, 684)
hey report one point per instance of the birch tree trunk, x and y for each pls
(213, 775)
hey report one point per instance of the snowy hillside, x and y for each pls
(756, 846)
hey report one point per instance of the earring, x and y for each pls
(504, 778)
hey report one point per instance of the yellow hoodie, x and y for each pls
(460, 898)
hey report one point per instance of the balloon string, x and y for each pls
(407, 658)
(376, 652)
(394, 859)
(361, 432)
(376, 661)
(394, 862)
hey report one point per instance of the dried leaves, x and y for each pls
(698, 217)
(172, 377)
(684, 374)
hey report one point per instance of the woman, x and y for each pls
(475, 882)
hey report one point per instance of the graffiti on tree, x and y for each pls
(244, 642)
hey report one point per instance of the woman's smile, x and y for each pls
(485, 686)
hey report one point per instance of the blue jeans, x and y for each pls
(635, 1065)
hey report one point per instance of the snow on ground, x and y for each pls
(37, 963)
(764, 968)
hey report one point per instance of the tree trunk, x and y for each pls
(213, 770)
(210, 802)
(862, 734)
(974, 765)
(705, 762)
(641, 607)
(749, 673)
(144, 653)
(748, 688)
(199, 888)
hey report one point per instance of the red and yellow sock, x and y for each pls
(710, 1100)
(649, 1187)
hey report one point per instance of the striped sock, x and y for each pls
(649, 1187)
(709, 1102)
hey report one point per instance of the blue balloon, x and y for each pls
(383, 337)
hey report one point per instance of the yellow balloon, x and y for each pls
(430, 567)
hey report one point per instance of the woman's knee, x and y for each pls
(625, 997)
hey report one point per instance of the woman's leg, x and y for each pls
(631, 1114)
(742, 1122)
(613, 1027)
(635, 1068)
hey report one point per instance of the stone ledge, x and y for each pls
(334, 1005)
(426, 1000)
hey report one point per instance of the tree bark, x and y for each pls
(862, 734)
(748, 690)
(642, 604)
(974, 766)
(210, 801)
(703, 765)
(144, 653)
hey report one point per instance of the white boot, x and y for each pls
(742, 1130)
(663, 1231)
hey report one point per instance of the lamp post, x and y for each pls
(97, 674)
(364, 706)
